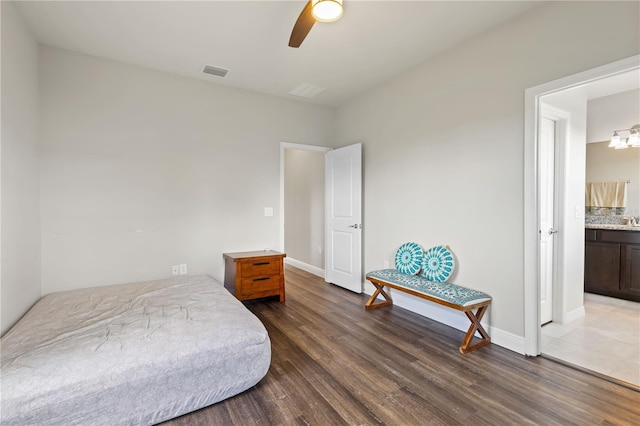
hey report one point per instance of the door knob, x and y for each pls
(355, 225)
(552, 231)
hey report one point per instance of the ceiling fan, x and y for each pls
(314, 10)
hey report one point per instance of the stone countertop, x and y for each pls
(610, 226)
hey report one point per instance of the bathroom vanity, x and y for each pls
(612, 261)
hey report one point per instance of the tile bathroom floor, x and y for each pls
(606, 340)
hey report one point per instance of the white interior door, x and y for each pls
(546, 173)
(343, 201)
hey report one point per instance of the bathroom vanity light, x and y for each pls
(621, 143)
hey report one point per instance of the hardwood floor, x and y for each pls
(333, 363)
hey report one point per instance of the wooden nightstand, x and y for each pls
(254, 274)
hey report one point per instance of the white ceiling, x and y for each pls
(613, 85)
(373, 42)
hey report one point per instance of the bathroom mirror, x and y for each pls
(606, 164)
(605, 114)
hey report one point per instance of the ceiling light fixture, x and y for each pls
(633, 140)
(327, 10)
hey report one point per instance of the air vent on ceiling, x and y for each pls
(306, 90)
(210, 69)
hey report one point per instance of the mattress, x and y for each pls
(137, 353)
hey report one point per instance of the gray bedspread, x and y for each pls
(137, 353)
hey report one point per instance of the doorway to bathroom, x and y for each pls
(571, 308)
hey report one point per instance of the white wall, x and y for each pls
(20, 217)
(142, 170)
(192, 165)
(304, 206)
(609, 113)
(444, 145)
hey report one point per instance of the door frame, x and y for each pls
(283, 147)
(532, 340)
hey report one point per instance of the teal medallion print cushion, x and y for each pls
(438, 264)
(409, 258)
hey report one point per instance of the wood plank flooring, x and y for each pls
(333, 363)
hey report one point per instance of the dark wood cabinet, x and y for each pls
(631, 272)
(612, 263)
(601, 267)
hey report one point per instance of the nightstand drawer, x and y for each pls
(261, 284)
(260, 267)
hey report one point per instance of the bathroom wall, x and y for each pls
(604, 164)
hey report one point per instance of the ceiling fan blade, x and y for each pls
(302, 27)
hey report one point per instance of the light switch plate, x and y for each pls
(268, 211)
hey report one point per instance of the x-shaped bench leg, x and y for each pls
(379, 290)
(475, 326)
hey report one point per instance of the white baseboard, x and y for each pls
(507, 340)
(305, 267)
(452, 318)
(574, 315)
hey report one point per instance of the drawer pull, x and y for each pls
(261, 279)
(261, 263)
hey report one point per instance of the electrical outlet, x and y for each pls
(183, 269)
(386, 264)
(319, 249)
(175, 270)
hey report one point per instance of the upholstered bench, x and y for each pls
(446, 294)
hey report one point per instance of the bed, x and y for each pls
(137, 353)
